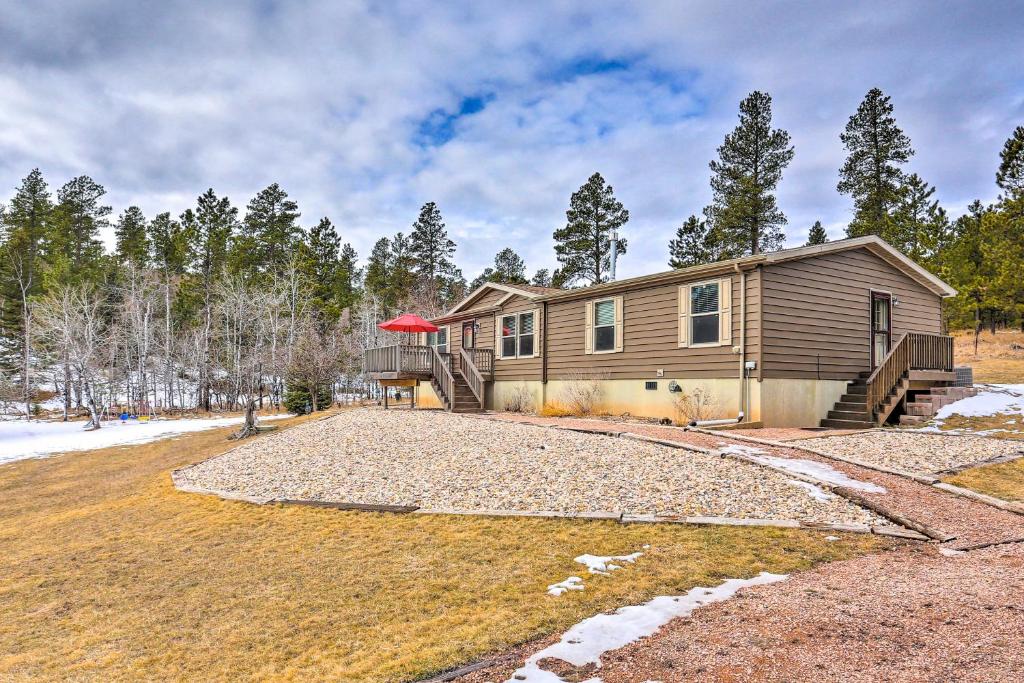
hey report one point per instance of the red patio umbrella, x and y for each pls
(408, 322)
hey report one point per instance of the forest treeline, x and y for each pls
(220, 308)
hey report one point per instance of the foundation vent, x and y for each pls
(651, 386)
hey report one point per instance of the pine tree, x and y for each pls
(871, 174)
(78, 219)
(582, 246)
(347, 281)
(132, 241)
(168, 244)
(911, 217)
(378, 268)
(26, 224)
(690, 247)
(1010, 176)
(509, 267)
(542, 278)
(744, 212)
(318, 264)
(269, 235)
(429, 245)
(817, 234)
(210, 228)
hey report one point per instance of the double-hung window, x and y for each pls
(516, 336)
(603, 325)
(704, 313)
(439, 339)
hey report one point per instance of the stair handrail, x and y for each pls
(441, 371)
(471, 373)
(884, 377)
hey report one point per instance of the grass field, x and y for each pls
(110, 573)
(997, 359)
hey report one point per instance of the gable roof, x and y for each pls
(527, 291)
(872, 243)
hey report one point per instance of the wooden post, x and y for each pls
(385, 396)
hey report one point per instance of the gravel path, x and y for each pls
(906, 615)
(442, 461)
(971, 522)
(912, 451)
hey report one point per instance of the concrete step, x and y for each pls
(920, 409)
(913, 419)
(847, 424)
(854, 415)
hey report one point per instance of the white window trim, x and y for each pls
(590, 329)
(724, 313)
(447, 338)
(499, 338)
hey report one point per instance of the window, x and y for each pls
(526, 334)
(439, 339)
(516, 336)
(704, 313)
(508, 336)
(604, 325)
(704, 325)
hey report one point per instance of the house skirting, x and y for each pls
(774, 402)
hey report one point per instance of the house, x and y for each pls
(842, 334)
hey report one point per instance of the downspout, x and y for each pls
(743, 344)
(543, 354)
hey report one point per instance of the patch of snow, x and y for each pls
(573, 583)
(602, 564)
(819, 471)
(990, 400)
(814, 491)
(831, 538)
(24, 439)
(585, 642)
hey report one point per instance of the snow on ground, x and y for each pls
(819, 471)
(603, 564)
(585, 642)
(815, 492)
(991, 399)
(23, 439)
(573, 583)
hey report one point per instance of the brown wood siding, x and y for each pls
(489, 299)
(817, 313)
(519, 369)
(650, 342)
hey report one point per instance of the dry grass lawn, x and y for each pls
(1004, 480)
(997, 361)
(109, 573)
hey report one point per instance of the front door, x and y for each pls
(469, 334)
(881, 326)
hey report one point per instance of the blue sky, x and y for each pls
(496, 111)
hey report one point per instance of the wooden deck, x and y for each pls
(459, 382)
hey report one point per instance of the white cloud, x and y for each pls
(161, 102)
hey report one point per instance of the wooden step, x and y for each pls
(852, 406)
(854, 415)
(846, 424)
(859, 399)
(857, 388)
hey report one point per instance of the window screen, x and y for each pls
(508, 336)
(526, 334)
(704, 313)
(604, 325)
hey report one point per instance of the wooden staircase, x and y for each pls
(460, 382)
(918, 365)
(463, 399)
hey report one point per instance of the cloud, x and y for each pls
(364, 111)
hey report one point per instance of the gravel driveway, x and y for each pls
(449, 462)
(913, 451)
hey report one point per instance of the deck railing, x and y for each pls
(472, 374)
(483, 360)
(914, 351)
(398, 358)
(441, 369)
